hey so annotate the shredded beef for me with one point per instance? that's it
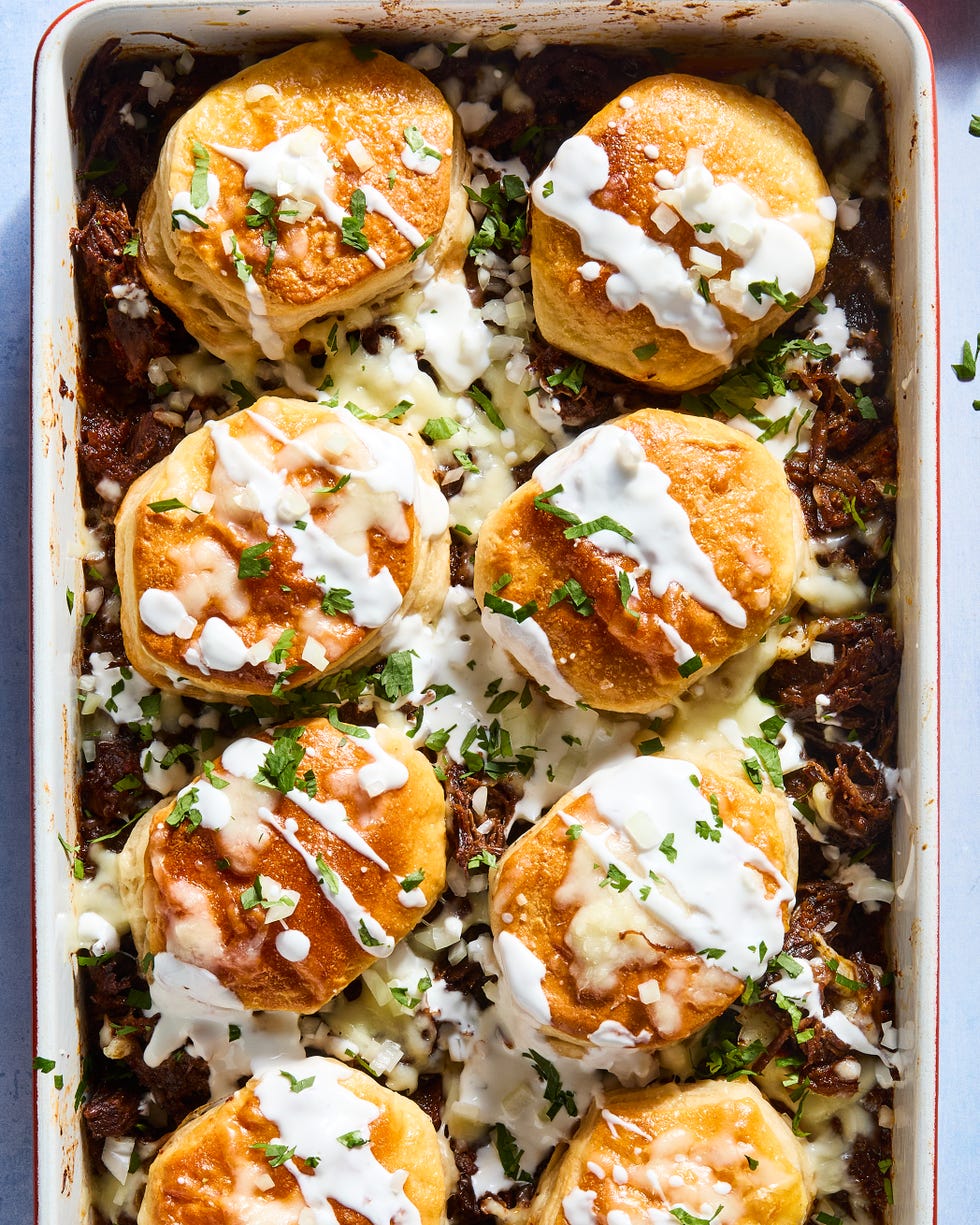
(430, 1097)
(371, 337)
(104, 807)
(462, 1208)
(869, 1153)
(821, 907)
(178, 1085)
(862, 685)
(854, 254)
(862, 807)
(461, 554)
(111, 1111)
(465, 976)
(120, 438)
(604, 394)
(465, 838)
(104, 229)
(841, 479)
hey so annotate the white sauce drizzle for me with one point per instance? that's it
(457, 341)
(376, 597)
(525, 975)
(181, 204)
(605, 472)
(163, 613)
(295, 165)
(648, 273)
(579, 1207)
(311, 1122)
(770, 249)
(293, 946)
(805, 990)
(527, 642)
(683, 651)
(709, 892)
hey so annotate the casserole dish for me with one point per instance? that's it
(881, 35)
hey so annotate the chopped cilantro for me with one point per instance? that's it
(504, 225)
(199, 179)
(509, 1153)
(277, 1154)
(396, 675)
(296, 1085)
(352, 226)
(185, 810)
(558, 1097)
(771, 290)
(617, 878)
(768, 756)
(416, 142)
(437, 428)
(690, 666)
(253, 563)
(572, 591)
(335, 601)
(569, 377)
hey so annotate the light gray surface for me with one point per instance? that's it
(953, 27)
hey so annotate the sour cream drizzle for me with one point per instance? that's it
(708, 892)
(605, 472)
(243, 758)
(769, 249)
(311, 1122)
(648, 273)
(297, 165)
(375, 596)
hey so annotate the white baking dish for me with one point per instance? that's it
(878, 32)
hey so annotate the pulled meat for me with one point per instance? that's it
(429, 1097)
(105, 806)
(111, 1110)
(115, 994)
(862, 807)
(99, 240)
(466, 976)
(861, 684)
(854, 985)
(463, 1208)
(603, 393)
(840, 481)
(465, 837)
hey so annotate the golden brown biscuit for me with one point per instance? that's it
(632, 913)
(657, 227)
(310, 1140)
(253, 225)
(709, 1151)
(286, 888)
(639, 558)
(270, 547)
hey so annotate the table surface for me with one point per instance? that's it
(953, 27)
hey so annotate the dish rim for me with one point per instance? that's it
(919, 624)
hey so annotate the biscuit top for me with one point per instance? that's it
(267, 546)
(634, 911)
(309, 1139)
(645, 552)
(694, 207)
(298, 860)
(708, 1151)
(312, 169)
